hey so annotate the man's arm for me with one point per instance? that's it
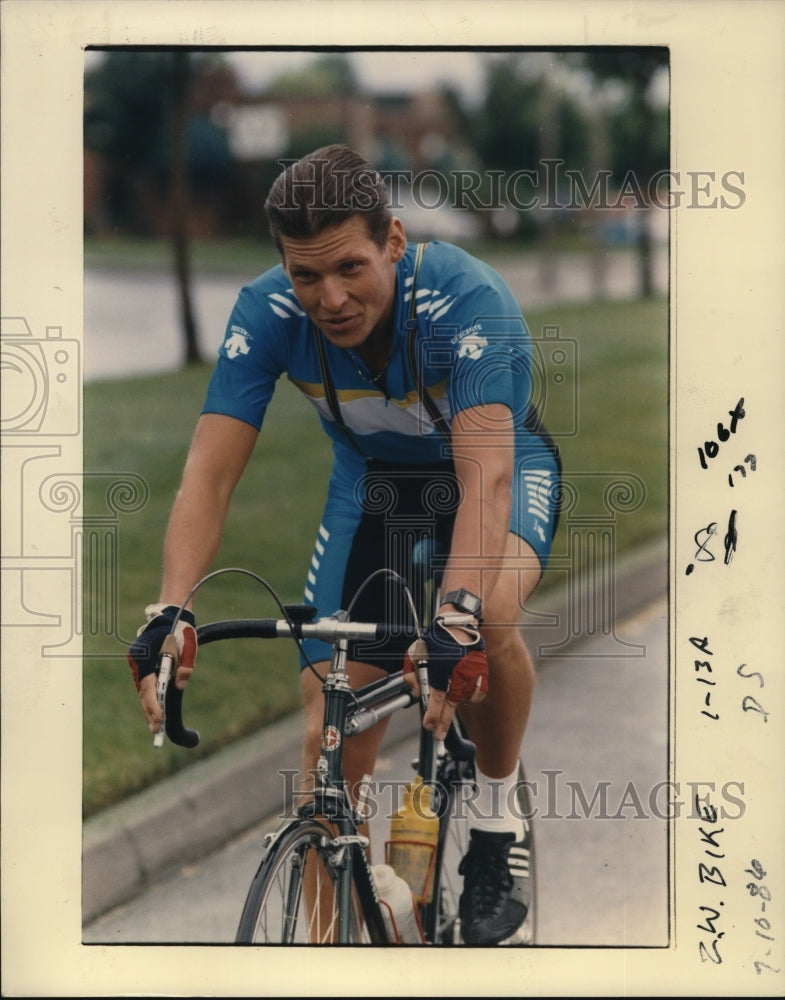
(218, 455)
(483, 452)
(219, 452)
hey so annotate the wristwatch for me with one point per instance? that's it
(464, 600)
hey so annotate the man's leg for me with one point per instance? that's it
(498, 723)
(496, 866)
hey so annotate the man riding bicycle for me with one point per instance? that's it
(417, 360)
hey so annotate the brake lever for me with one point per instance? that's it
(419, 655)
(165, 672)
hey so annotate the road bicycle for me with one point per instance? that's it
(315, 882)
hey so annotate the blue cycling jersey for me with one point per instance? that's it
(472, 348)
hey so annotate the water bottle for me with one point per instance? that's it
(399, 906)
(414, 834)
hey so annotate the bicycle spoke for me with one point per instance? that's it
(293, 898)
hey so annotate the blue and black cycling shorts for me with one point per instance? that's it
(385, 518)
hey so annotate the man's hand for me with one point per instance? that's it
(144, 654)
(457, 669)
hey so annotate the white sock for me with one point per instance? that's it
(496, 809)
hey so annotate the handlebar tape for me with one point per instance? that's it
(175, 730)
(241, 628)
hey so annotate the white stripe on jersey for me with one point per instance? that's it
(430, 301)
(372, 414)
(289, 301)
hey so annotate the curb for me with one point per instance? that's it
(183, 818)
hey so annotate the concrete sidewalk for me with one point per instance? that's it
(185, 817)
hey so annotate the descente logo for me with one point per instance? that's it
(237, 342)
(472, 342)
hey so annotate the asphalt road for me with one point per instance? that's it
(128, 333)
(596, 752)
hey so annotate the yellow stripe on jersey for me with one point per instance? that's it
(315, 391)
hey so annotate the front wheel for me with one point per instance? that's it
(293, 898)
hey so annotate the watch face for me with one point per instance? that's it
(464, 600)
(471, 603)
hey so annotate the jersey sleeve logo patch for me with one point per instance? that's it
(238, 341)
(472, 342)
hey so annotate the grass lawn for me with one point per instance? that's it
(143, 426)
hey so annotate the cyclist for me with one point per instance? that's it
(433, 435)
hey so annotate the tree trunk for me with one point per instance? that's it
(645, 242)
(179, 204)
(646, 258)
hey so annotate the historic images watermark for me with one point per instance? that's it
(546, 796)
(548, 186)
(41, 422)
(43, 377)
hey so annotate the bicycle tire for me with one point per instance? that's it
(276, 910)
(442, 918)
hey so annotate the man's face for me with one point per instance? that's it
(344, 281)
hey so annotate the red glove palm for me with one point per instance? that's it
(459, 669)
(145, 652)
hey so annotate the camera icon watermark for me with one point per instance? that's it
(554, 376)
(41, 381)
(542, 371)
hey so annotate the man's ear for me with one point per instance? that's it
(396, 239)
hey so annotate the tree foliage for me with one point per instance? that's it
(125, 115)
(331, 73)
(639, 129)
(137, 117)
(640, 137)
(531, 107)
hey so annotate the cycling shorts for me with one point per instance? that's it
(386, 518)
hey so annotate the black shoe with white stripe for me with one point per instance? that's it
(493, 902)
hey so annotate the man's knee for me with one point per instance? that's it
(504, 644)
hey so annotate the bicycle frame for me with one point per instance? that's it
(346, 713)
(331, 799)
